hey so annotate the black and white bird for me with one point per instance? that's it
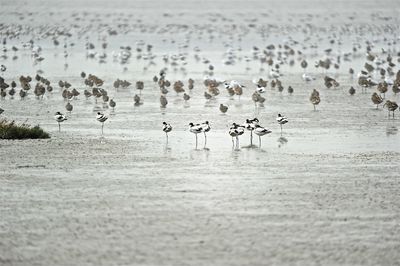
(101, 118)
(251, 125)
(166, 128)
(195, 129)
(281, 120)
(205, 128)
(59, 117)
(235, 131)
(261, 131)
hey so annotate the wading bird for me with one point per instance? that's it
(59, 117)
(166, 128)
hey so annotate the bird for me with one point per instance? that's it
(251, 125)
(352, 91)
(307, 77)
(195, 129)
(112, 104)
(261, 131)
(59, 117)
(391, 106)
(376, 99)
(314, 98)
(163, 101)
(1, 111)
(235, 131)
(101, 118)
(186, 97)
(223, 108)
(205, 128)
(69, 107)
(166, 128)
(281, 120)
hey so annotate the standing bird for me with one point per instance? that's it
(166, 128)
(236, 131)
(195, 129)
(352, 90)
(251, 125)
(112, 104)
(314, 98)
(205, 128)
(101, 118)
(163, 101)
(69, 107)
(376, 99)
(59, 117)
(223, 108)
(261, 131)
(281, 120)
(391, 106)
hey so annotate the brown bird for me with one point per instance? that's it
(376, 99)
(391, 106)
(383, 88)
(69, 107)
(163, 101)
(314, 98)
(352, 90)
(223, 108)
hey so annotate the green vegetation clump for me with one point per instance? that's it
(11, 130)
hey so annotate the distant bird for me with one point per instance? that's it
(207, 95)
(314, 98)
(205, 128)
(195, 129)
(261, 131)
(1, 111)
(112, 104)
(166, 128)
(391, 106)
(223, 108)
(69, 107)
(307, 77)
(136, 99)
(59, 117)
(163, 101)
(376, 99)
(290, 90)
(352, 91)
(101, 118)
(251, 125)
(186, 97)
(281, 120)
(235, 131)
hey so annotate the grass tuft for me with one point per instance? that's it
(11, 130)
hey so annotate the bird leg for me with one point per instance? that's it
(259, 140)
(166, 134)
(59, 127)
(102, 126)
(251, 138)
(237, 142)
(205, 139)
(196, 141)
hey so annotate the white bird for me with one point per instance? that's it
(251, 125)
(59, 117)
(261, 131)
(281, 120)
(101, 118)
(260, 89)
(235, 131)
(195, 129)
(166, 128)
(307, 77)
(205, 128)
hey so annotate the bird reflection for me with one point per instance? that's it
(391, 130)
(282, 141)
